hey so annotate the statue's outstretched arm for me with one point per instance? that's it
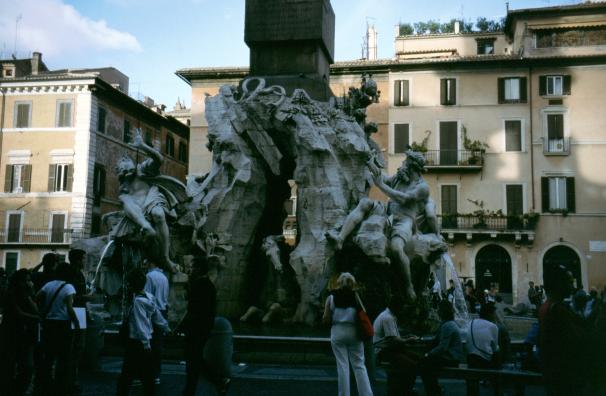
(139, 144)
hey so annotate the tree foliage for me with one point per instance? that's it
(433, 27)
(406, 29)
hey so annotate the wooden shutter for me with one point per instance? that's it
(515, 201)
(566, 85)
(396, 93)
(542, 85)
(501, 90)
(443, 98)
(452, 99)
(405, 93)
(8, 178)
(70, 177)
(570, 195)
(51, 177)
(555, 126)
(523, 93)
(400, 138)
(513, 135)
(544, 194)
(27, 178)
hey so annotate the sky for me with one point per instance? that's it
(149, 40)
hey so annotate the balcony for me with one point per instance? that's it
(521, 227)
(453, 160)
(40, 236)
(554, 147)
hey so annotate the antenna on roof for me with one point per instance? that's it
(17, 19)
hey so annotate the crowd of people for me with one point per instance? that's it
(41, 339)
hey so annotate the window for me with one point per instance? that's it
(17, 178)
(401, 93)
(558, 194)
(23, 114)
(60, 177)
(149, 137)
(449, 206)
(401, 138)
(485, 46)
(9, 72)
(514, 196)
(170, 146)
(64, 114)
(448, 91)
(11, 262)
(513, 135)
(101, 117)
(98, 184)
(126, 138)
(182, 152)
(571, 37)
(555, 133)
(95, 226)
(512, 90)
(57, 228)
(554, 85)
(13, 232)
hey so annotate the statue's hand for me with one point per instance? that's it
(137, 139)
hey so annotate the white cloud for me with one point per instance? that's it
(55, 28)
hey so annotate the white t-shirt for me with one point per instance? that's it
(385, 325)
(342, 315)
(482, 338)
(58, 310)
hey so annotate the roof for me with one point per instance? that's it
(212, 72)
(581, 8)
(52, 76)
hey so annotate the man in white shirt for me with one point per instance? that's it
(56, 299)
(392, 348)
(483, 340)
(156, 284)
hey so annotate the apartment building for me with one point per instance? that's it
(61, 134)
(513, 131)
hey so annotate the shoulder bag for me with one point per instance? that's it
(363, 323)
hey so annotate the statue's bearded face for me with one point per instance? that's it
(403, 174)
(126, 168)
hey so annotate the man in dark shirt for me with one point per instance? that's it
(78, 280)
(563, 337)
(199, 321)
(48, 264)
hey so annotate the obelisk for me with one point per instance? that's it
(291, 43)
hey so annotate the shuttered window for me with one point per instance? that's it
(515, 199)
(556, 85)
(23, 115)
(60, 177)
(401, 93)
(14, 228)
(448, 91)
(64, 114)
(182, 152)
(512, 90)
(555, 126)
(558, 194)
(513, 135)
(126, 137)
(98, 184)
(448, 200)
(401, 138)
(17, 178)
(169, 147)
(101, 116)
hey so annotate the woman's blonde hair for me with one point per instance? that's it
(346, 281)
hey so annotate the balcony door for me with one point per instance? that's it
(449, 206)
(14, 228)
(58, 228)
(449, 142)
(555, 133)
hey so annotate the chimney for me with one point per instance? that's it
(36, 61)
(457, 27)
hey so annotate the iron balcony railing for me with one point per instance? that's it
(40, 236)
(559, 146)
(454, 158)
(487, 222)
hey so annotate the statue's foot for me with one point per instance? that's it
(171, 266)
(333, 236)
(274, 313)
(251, 313)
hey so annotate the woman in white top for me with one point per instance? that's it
(341, 311)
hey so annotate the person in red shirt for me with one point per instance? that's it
(563, 337)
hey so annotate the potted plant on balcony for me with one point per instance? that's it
(530, 220)
(476, 147)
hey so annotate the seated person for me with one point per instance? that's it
(447, 349)
(392, 348)
(483, 340)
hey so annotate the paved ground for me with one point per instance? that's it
(267, 380)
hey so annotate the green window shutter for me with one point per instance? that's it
(453, 92)
(513, 135)
(570, 195)
(542, 85)
(523, 93)
(443, 99)
(27, 178)
(544, 194)
(501, 90)
(51, 177)
(405, 93)
(400, 138)
(8, 178)
(70, 177)
(396, 93)
(566, 85)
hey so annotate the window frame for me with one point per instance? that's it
(16, 113)
(447, 85)
(61, 185)
(101, 110)
(58, 120)
(20, 179)
(6, 253)
(21, 213)
(126, 132)
(559, 181)
(522, 90)
(397, 103)
(522, 135)
(182, 155)
(169, 149)
(524, 204)
(483, 41)
(553, 78)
